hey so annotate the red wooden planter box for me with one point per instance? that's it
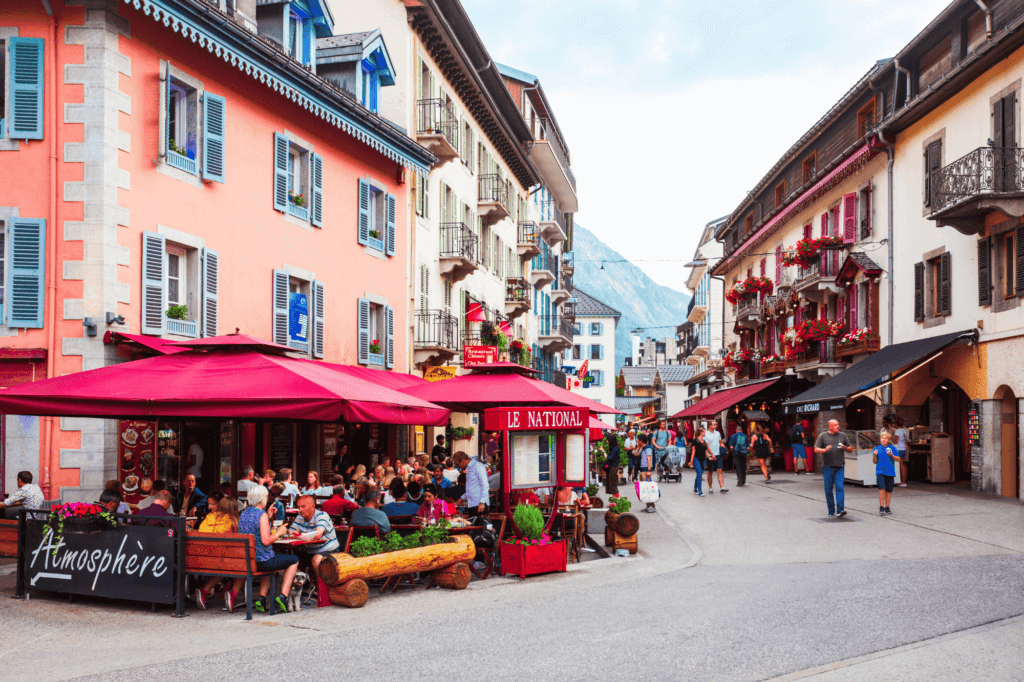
(772, 367)
(868, 344)
(527, 560)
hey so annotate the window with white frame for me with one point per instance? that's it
(596, 328)
(298, 179)
(377, 215)
(193, 123)
(180, 288)
(577, 328)
(598, 377)
(298, 311)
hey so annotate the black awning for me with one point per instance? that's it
(831, 394)
(756, 415)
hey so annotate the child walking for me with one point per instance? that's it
(886, 456)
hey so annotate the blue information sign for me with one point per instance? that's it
(298, 317)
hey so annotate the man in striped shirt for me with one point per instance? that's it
(477, 487)
(317, 526)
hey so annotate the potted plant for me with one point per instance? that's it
(525, 357)
(80, 518)
(595, 501)
(297, 199)
(488, 335)
(530, 550)
(462, 432)
(177, 312)
(515, 350)
(375, 234)
(375, 346)
(616, 505)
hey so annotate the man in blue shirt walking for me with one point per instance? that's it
(738, 445)
(477, 494)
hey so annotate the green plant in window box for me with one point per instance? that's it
(175, 148)
(297, 199)
(177, 312)
(375, 346)
(462, 432)
(375, 234)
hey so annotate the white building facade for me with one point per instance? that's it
(594, 342)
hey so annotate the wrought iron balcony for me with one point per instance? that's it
(561, 287)
(550, 155)
(492, 200)
(459, 251)
(819, 278)
(528, 241)
(987, 179)
(542, 273)
(819, 359)
(747, 312)
(437, 129)
(437, 336)
(556, 332)
(552, 223)
(518, 293)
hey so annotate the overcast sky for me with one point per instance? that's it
(674, 109)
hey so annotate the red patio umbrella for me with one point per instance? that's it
(598, 427)
(479, 391)
(226, 383)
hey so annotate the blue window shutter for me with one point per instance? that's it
(600, 351)
(364, 212)
(363, 338)
(26, 94)
(280, 172)
(213, 137)
(389, 350)
(318, 319)
(280, 304)
(307, 42)
(210, 283)
(26, 273)
(389, 232)
(154, 284)
(316, 168)
(167, 113)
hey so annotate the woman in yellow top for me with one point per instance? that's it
(223, 519)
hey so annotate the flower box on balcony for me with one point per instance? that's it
(773, 367)
(525, 560)
(868, 344)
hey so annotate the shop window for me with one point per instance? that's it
(376, 229)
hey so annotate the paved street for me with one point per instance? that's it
(776, 591)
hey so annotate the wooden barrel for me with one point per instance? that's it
(610, 518)
(352, 594)
(596, 503)
(625, 542)
(455, 577)
(609, 534)
(340, 568)
(627, 524)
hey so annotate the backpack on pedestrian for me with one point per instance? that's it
(796, 434)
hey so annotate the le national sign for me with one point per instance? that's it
(535, 418)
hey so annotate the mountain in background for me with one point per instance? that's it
(625, 287)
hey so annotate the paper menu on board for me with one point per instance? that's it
(575, 457)
(525, 455)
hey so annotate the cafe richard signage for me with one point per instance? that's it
(535, 418)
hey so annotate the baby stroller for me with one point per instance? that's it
(668, 468)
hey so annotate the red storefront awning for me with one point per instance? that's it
(723, 399)
(226, 383)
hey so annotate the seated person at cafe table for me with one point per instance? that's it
(313, 525)
(414, 492)
(28, 494)
(527, 496)
(159, 508)
(567, 495)
(401, 506)
(370, 515)
(114, 485)
(110, 500)
(191, 501)
(253, 520)
(247, 481)
(477, 493)
(338, 504)
(275, 508)
(223, 518)
(433, 507)
(313, 486)
(290, 489)
(158, 485)
(438, 478)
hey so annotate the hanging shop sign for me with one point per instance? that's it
(298, 317)
(813, 408)
(473, 356)
(440, 373)
(535, 418)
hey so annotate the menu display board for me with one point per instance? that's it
(136, 456)
(575, 458)
(974, 424)
(282, 444)
(227, 450)
(329, 436)
(530, 459)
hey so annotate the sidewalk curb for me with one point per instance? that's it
(812, 672)
(696, 553)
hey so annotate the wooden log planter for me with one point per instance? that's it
(339, 568)
(352, 594)
(624, 524)
(455, 577)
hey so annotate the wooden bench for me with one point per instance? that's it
(8, 538)
(226, 555)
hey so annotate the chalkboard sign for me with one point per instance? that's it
(128, 562)
(282, 442)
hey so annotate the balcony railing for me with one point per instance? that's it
(550, 213)
(552, 325)
(437, 329)
(869, 344)
(986, 170)
(434, 117)
(569, 260)
(544, 130)
(825, 266)
(564, 281)
(546, 261)
(493, 190)
(529, 233)
(748, 307)
(183, 328)
(458, 241)
(517, 289)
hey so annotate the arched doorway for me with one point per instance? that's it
(1009, 449)
(860, 414)
(945, 411)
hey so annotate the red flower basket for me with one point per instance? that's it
(818, 330)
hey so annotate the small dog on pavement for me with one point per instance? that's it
(295, 595)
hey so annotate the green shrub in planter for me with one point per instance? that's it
(529, 521)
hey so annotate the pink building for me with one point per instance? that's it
(177, 169)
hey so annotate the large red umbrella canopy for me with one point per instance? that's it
(478, 391)
(228, 383)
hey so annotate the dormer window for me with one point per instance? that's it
(358, 63)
